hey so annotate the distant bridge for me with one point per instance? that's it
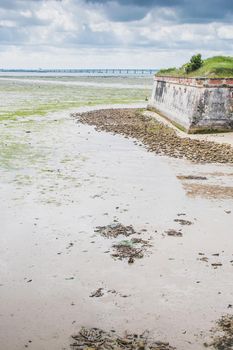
(91, 71)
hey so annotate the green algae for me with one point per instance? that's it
(28, 128)
(10, 153)
(49, 108)
(23, 99)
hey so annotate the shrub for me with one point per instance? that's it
(195, 63)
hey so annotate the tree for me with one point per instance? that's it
(195, 63)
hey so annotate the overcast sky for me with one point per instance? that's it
(118, 33)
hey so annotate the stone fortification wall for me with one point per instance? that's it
(196, 104)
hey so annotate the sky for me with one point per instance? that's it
(112, 33)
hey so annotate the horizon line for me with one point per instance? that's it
(74, 69)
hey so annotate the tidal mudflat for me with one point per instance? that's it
(97, 232)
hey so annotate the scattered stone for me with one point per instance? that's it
(126, 250)
(183, 222)
(131, 260)
(70, 245)
(174, 233)
(204, 258)
(98, 293)
(94, 338)
(157, 137)
(191, 177)
(130, 249)
(227, 211)
(113, 291)
(114, 230)
(140, 241)
(222, 334)
(216, 264)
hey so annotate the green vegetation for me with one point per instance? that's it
(214, 67)
(194, 64)
(14, 155)
(21, 99)
(27, 119)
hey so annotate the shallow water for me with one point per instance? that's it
(113, 82)
(59, 180)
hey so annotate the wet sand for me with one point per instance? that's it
(52, 259)
(222, 138)
(78, 83)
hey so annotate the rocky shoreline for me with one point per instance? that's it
(157, 137)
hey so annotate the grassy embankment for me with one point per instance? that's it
(214, 67)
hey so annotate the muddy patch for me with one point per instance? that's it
(114, 230)
(97, 339)
(214, 260)
(130, 249)
(191, 177)
(208, 191)
(222, 334)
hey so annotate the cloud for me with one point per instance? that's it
(186, 10)
(176, 27)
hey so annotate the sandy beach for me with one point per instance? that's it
(53, 258)
(116, 175)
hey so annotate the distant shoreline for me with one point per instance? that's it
(87, 71)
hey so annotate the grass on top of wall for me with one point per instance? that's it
(214, 67)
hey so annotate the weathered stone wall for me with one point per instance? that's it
(194, 104)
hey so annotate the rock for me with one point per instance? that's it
(131, 260)
(155, 136)
(97, 293)
(174, 233)
(95, 338)
(183, 222)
